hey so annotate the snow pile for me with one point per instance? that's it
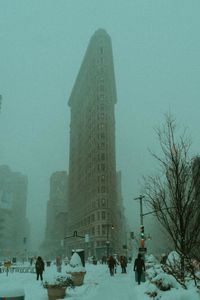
(75, 264)
(165, 282)
(153, 271)
(151, 259)
(173, 258)
(160, 284)
(163, 286)
(151, 290)
(160, 287)
(58, 279)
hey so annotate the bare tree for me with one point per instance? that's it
(173, 194)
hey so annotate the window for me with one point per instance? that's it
(101, 50)
(103, 167)
(103, 215)
(102, 156)
(92, 230)
(101, 87)
(98, 230)
(103, 189)
(103, 229)
(92, 218)
(103, 202)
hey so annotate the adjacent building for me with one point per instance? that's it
(14, 226)
(56, 216)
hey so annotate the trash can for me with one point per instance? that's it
(12, 294)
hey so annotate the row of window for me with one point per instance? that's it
(100, 203)
(98, 216)
(101, 230)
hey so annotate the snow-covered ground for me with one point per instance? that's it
(98, 285)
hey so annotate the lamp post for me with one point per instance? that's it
(107, 238)
(142, 236)
(107, 247)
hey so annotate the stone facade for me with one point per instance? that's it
(94, 203)
(14, 226)
(56, 216)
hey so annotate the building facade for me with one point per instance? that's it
(94, 204)
(14, 225)
(56, 216)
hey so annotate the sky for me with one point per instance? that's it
(98, 284)
(156, 50)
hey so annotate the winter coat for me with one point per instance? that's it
(39, 265)
(123, 261)
(111, 262)
(139, 264)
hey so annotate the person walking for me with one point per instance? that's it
(111, 265)
(123, 263)
(59, 264)
(39, 267)
(139, 267)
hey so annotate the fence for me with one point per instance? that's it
(19, 269)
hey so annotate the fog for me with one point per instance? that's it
(156, 49)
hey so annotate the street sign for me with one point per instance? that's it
(87, 238)
(142, 249)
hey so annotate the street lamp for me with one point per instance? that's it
(142, 235)
(107, 238)
(107, 247)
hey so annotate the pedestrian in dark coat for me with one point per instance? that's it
(39, 267)
(123, 263)
(111, 265)
(139, 266)
(59, 264)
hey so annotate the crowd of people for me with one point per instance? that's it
(111, 261)
(139, 266)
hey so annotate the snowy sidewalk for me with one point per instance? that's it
(106, 287)
(98, 285)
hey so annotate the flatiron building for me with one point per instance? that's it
(95, 209)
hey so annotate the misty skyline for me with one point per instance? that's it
(156, 49)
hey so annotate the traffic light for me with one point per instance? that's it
(142, 232)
